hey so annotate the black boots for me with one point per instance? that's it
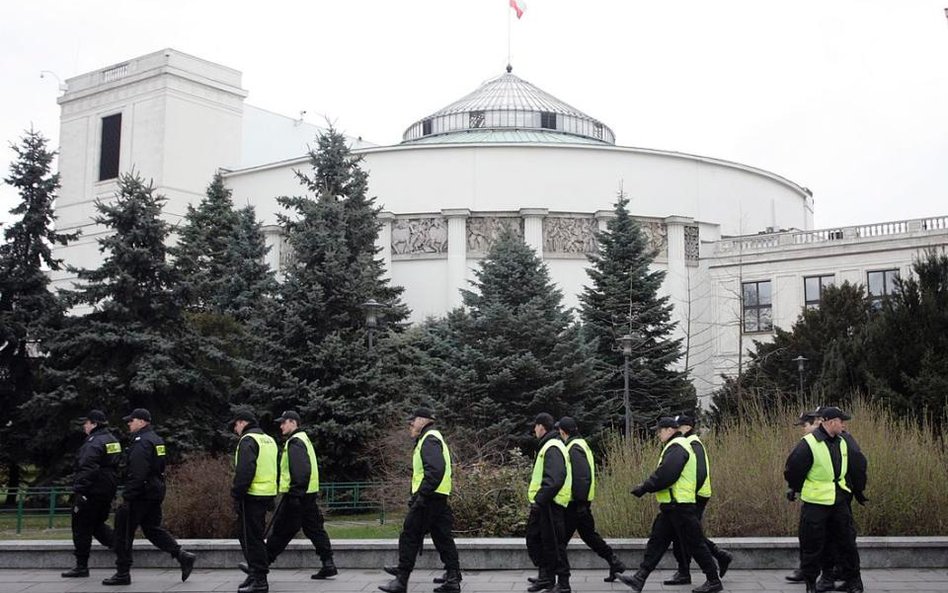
(712, 585)
(795, 576)
(544, 581)
(561, 586)
(451, 584)
(724, 559)
(615, 567)
(636, 581)
(328, 570)
(852, 586)
(679, 578)
(81, 570)
(397, 585)
(122, 577)
(257, 584)
(186, 560)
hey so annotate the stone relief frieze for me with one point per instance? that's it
(657, 235)
(412, 236)
(692, 244)
(569, 235)
(482, 231)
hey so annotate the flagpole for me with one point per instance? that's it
(509, 17)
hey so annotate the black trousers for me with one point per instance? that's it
(579, 517)
(679, 521)
(90, 517)
(251, 525)
(684, 560)
(546, 538)
(293, 513)
(433, 516)
(823, 525)
(146, 514)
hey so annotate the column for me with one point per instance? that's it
(676, 281)
(384, 242)
(603, 217)
(457, 255)
(273, 238)
(533, 228)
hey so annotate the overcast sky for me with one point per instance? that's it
(846, 97)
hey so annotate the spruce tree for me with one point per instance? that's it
(29, 312)
(623, 298)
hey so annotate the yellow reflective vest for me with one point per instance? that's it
(265, 479)
(565, 493)
(418, 467)
(684, 489)
(820, 484)
(313, 485)
(582, 444)
(705, 490)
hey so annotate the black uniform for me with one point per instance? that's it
(546, 527)
(94, 484)
(428, 512)
(251, 510)
(578, 515)
(299, 509)
(675, 520)
(819, 523)
(143, 494)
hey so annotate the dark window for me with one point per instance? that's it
(109, 150)
(881, 284)
(597, 131)
(548, 120)
(813, 287)
(426, 127)
(758, 307)
(476, 119)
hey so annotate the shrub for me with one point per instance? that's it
(198, 503)
(490, 496)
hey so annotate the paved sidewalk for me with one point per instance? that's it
(294, 581)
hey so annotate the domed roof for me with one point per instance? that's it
(501, 105)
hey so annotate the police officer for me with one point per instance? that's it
(142, 495)
(549, 494)
(428, 508)
(828, 469)
(808, 421)
(686, 426)
(578, 516)
(253, 491)
(674, 483)
(94, 483)
(299, 484)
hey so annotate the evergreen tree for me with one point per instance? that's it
(514, 351)
(132, 349)
(28, 310)
(316, 326)
(623, 299)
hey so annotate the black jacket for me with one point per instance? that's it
(801, 460)
(582, 473)
(701, 461)
(554, 471)
(96, 467)
(669, 470)
(246, 469)
(145, 470)
(300, 467)
(432, 460)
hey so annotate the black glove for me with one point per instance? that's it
(639, 491)
(791, 495)
(419, 500)
(861, 498)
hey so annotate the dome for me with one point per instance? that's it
(508, 109)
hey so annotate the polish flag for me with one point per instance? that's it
(519, 6)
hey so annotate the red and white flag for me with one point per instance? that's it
(519, 6)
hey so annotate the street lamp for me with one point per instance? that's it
(801, 363)
(626, 343)
(372, 309)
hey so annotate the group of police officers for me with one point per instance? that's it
(826, 470)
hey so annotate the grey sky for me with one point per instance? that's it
(846, 97)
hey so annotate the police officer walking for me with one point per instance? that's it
(808, 421)
(686, 426)
(299, 485)
(828, 469)
(578, 516)
(674, 483)
(94, 482)
(143, 493)
(549, 494)
(428, 508)
(253, 491)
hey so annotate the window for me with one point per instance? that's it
(813, 289)
(758, 307)
(597, 131)
(476, 119)
(426, 127)
(109, 149)
(881, 284)
(548, 120)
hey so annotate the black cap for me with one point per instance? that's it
(686, 419)
(832, 412)
(95, 416)
(666, 422)
(139, 413)
(245, 415)
(288, 415)
(568, 425)
(422, 413)
(807, 418)
(544, 420)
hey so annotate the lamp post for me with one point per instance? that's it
(372, 309)
(801, 363)
(625, 344)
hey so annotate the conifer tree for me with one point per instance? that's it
(623, 298)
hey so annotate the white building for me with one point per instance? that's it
(506, 154)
